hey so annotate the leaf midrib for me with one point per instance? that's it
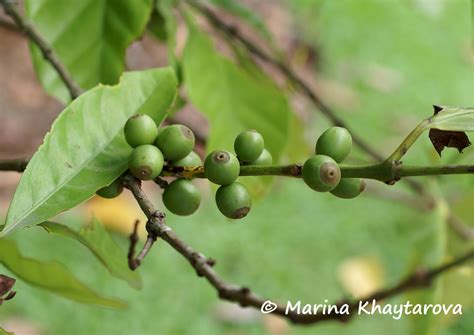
(59, 186)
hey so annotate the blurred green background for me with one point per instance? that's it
(383, 64)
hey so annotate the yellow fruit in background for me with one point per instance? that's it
(118, 214)
(361, 276)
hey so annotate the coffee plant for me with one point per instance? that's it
(118, 131)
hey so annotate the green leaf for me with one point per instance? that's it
(50, 276)
(94, 237)
(4, 332)
(430, 253)
(232, 99)
(157, 26)
(170, 26)
(89, 37)
(246, 14)
(86, 148)
(452, 118)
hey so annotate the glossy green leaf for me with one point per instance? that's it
(232, 99)
(94, 237)
(453, 119)
(51, 276)
(89, 37)
(86, 149)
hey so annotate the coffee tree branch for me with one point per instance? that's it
(291, 75)
(387, 172)
(75, 91)
(48, 53)
(294, 170)
(243, 295)
(232, 32)
(135, 262)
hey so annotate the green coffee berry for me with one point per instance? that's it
(233, 200)
(140, 129)
(192, 159)
(146, 162)
(175, 141)
(111, 191)
(321, 173)
(335, 142)
(221, 167)
(181, 197)
(249, 145)
(265, 158)
(349, 188)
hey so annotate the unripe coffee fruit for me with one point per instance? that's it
(192, 159)
(321, 173)
(146, 162)
(265, 158)
(234, 201)
(349, 188)
(140, 129)
(249, 145)
(111, 191)
(335, 142)
(181, 197)
(221, 167)
(175, 141)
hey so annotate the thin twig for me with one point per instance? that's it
(161, 182)
(460, 228)
(46, 50)
(9, 25)
(243, 295)
(231, 31)
(135, 262)
(385, 172)
(464, 231)
(35, 37)
(291, 75)
(18, 165)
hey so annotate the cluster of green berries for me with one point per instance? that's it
(173, 145)
(152, 149)
(222, 167)
(322, 173)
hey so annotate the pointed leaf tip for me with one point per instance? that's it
(86, 148)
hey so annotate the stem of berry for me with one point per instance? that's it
(387, 171)
(409, 141)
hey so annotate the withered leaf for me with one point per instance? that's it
(6, 284)
(451, 139)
